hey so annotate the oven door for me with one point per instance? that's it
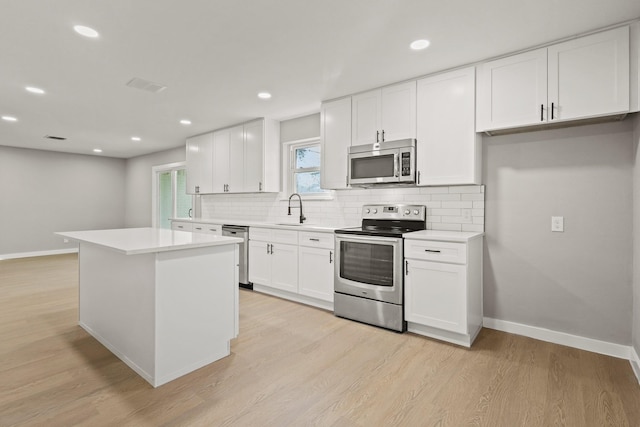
(369, 267)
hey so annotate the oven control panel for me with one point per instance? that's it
(397, 211)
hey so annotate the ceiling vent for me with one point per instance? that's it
(146, 85)
(57, 138)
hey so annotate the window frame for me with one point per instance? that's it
(288, 169)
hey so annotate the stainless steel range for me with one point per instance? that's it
(369, 279)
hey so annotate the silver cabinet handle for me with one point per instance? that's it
(259, 186)
(330, 257)
(432, 250)
(382, 135)
(272, 249)
(267, 248)
(314, 239)
(377, 136)
(406, 268)
(198, 228)
(197, 188)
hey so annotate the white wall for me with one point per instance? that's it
(579, 281)
(138, 184)
(636, 237)
(44, 191)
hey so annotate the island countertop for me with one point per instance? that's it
(133, 241)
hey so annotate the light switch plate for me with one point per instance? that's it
(557, 223)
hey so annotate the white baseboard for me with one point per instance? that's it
(38, 253)
(635, 363)
(562, 338)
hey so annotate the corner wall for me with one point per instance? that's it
(579, 281)
(45, 191)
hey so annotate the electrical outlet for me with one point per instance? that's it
(557, 223)
(466, 214)
(65, 240)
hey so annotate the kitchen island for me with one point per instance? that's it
(165, 302)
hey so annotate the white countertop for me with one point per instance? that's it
(249, 223)
(448, 236)
(132, 241)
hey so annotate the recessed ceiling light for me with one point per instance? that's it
(86, 31)
(264, 95)
(135, 138)
(97, 150)
(9, 118)
(420, 44)
(185, 122)
(34, 90)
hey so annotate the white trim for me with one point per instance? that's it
(154, 188)
(38, 253)
(286, 172)
(303, 299)
(635, 363)
(562, 338)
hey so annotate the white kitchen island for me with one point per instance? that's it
(165, 302)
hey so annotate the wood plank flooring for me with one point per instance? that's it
(292, 365)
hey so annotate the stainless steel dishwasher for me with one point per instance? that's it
(241, 232)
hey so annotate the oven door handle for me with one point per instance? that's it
(367, 239)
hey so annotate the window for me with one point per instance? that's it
(170, 198)
(303, 174)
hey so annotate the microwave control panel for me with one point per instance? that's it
(406, 163)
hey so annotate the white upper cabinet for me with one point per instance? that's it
(228, 155)
(512, 91)
(589, 76)
(246, 158)
(449, 150)
(385, 114)
(335, 139)
(199, 157)
(582, 78)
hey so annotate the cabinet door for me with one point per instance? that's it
(398, 112)
(316, 273)
(260, 263)
(235, 179)
(335, 139)
(512, 91)
(449, 151)
(436, 295)
(199, 161)
(589, 76)
(221, 142)
(284, 267)
(365, 117)
(253, 156)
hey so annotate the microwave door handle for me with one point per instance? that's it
(396, 165)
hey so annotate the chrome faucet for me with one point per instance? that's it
(302, 218)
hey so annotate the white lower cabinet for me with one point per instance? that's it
(316, 257)
(273, 258)
(443, 289)
(197, 227)
(292, 265)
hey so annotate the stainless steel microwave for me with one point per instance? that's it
(392, 162)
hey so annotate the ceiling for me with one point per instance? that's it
(215, 56)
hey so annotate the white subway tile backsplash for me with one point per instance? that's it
(459, 205)
(445, 206)
(465, 189)
(446, 197)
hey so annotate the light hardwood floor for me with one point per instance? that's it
(292, 365)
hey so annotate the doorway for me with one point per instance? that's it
(170, 198)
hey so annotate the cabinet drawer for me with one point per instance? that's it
(274, 236)
(450, 252)
(289, 237)
(181, 226)
(262, 234)
(316, 240)
(207, 228)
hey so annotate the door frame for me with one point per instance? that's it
(155, 171)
